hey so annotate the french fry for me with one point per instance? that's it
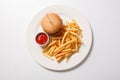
(59, 59)
(53, 42)
(68, 46)
(68, 56)
(60, 54)
(76, 46)
(67, 50)
(74, 34)
(52, 50)
(58, 50)
(61, 46)
(64, 37)
(73, 30)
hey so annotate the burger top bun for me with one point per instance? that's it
(51, 23)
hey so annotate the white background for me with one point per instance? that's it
(103, 63)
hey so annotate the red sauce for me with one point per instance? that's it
(41, 38)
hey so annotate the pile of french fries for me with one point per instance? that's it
(66, 44)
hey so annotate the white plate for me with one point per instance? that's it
(67, 14)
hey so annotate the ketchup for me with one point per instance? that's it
(41, 38)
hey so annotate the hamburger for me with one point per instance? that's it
(51, 23)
